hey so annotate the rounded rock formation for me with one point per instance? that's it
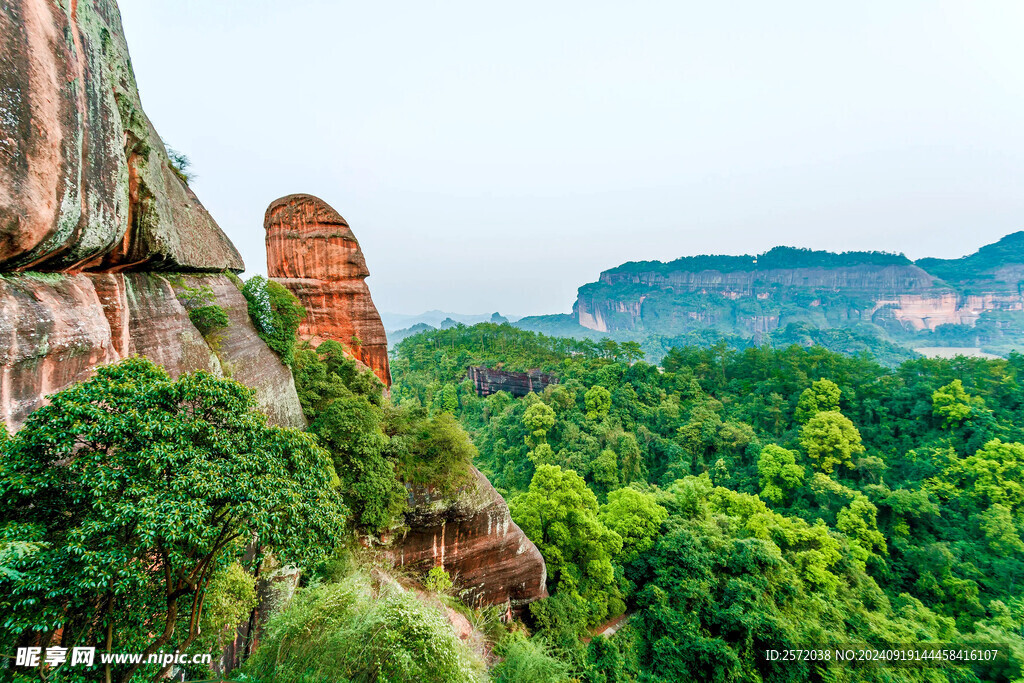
(312, 251)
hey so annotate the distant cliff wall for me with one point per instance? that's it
(312, 251)
(758, 301)
(487, 381)
(867, 278)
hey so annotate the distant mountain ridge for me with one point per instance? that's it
(973, 301)
(436, 318)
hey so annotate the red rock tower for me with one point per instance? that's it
(311, 250)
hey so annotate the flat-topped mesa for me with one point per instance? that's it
(311, 250)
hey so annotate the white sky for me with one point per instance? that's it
(496, 157)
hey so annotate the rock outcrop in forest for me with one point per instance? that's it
(474, 538)
(487, 381)
(312, 251)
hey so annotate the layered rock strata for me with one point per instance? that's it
(312, 251)
(56, 328)
(85, 181)
(489, 558)
(759, 295)
(487, 381)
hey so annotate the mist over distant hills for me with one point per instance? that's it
(398, 321)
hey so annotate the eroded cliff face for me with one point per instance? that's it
(91, 205)
(489, 558)
(85, 181)
(312, 251)
(761, 301)
(487, 381)
(56, 329)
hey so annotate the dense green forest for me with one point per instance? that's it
(775, 258)
(722, 504)
(145, 514)
(732, 501)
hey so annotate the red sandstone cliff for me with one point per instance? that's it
(311, 250)
(473, 537)
(88, 195)
(85, 181)
(55, 329)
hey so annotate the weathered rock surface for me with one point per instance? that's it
(757, 301)
(487, 381)
(474, 538)
(312, 251)
(55, 329)
(90, 203)
(85, 181)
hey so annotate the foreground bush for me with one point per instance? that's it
(348, 632)
(528, 660)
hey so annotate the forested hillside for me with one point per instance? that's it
(731, 501)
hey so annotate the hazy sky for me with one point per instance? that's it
(497, 156)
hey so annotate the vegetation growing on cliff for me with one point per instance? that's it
(775, 498)
(137, 492)
(1007, 251)
(276, 313)
(375, 444)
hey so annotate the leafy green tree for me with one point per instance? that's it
(560, 514)
(953, 404)
(993, 475)
(139, 489)
(448, 399)
(636, 517)
(630, 458)
(605, 470)
(539, 418)
(631, 351)
(431, 450)
(437, 580)
(598, 402)
(230, 598)
(208, 319)
(609, 348)
(821, 397)
(327, 373)
(999, 529)
(351, 429)
(778, 472)
(830, 439)
(859, 521)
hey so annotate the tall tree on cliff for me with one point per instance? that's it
(139, 489)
